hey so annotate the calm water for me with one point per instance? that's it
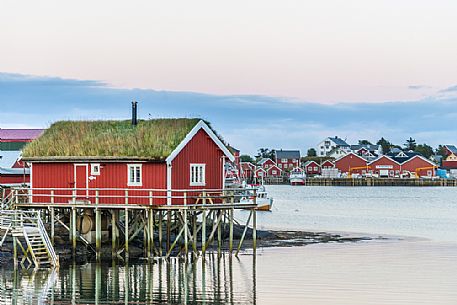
(396, 271)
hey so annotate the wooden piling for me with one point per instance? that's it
(203, 232)
(52, 225)
(114, 233)
(98, 233)
(73, 230)
(254, 231)
(231, 230)
(126, 232)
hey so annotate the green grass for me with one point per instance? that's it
(153, 139)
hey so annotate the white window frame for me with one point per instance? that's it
(284, 160)
(274, 172)
(199, 174)
(94, 166)
(135, 180)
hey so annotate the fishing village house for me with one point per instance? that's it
(266, 163)
(287, 159)
(273, 171)
(312, 168)
(393, 164)
(449, 162)
(161, 154)
(12, 170)
(327, 164)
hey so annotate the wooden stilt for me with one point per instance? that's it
(254, 231)
(98, 233)
(73, 230)
(244, 233)
(160, 232)
(203, 232)
(168, 229)
(114, 233)
(52, 225)
(231, 230)
(150, 232)
(126, 233)
(186, 246)
(219, 234)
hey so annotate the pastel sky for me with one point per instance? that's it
(281, 74)
(317, 51)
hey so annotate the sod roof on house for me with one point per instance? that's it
(150, 139)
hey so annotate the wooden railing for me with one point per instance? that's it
(96, 196)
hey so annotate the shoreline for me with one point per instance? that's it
(265, 239)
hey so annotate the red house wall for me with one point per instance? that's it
(310, 168)
(112, 175)
(450, 164)
(201, 149)
(350, 161)
(274, 168)
(10, 179)
(382, 163)
(416, 162)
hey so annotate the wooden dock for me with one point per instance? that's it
(368, 182)
(190, 225)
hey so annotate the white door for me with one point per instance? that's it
(384, 173)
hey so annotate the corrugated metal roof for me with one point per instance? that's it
(287, 154)
(339, 141)
(20, 134)
(452, 148)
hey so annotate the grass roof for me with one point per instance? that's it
(150, 139)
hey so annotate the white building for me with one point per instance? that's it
(329, 144)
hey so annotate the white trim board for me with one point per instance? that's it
(191, 134)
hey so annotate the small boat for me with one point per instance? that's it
(264, 203)
(297, 176)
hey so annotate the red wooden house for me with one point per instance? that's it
(287, 159)
(266, 163)
(273, 171)
(384, 167)
(150, 158)
(351, 162)
(327, 164)
(419, 165)
(312, 168)
(260, 173)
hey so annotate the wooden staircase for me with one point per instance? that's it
(30, 236)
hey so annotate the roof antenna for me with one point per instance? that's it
(134, 113)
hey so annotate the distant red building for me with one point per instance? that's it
(247, 169)
(384, 167)
(351, 162)
(266, 163)
(327, 164)
(273, 171)
(312, 168)
(287, 159)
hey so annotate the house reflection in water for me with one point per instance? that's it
(224, 280)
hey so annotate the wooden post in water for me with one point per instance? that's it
(232, 202)
(150, 232)
(73, 231)
(98, 233)
(114, 232)
(126, 231)
(254, 231)
(160, 232)
(203, 232)
(186, 246)
(168, 229)
(219, 234)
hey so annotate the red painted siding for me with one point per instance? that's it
(349, 161)
(112, 175)
(9, 179)
(415, 163)
(201, 149)
(384, 163)
(450, 164)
